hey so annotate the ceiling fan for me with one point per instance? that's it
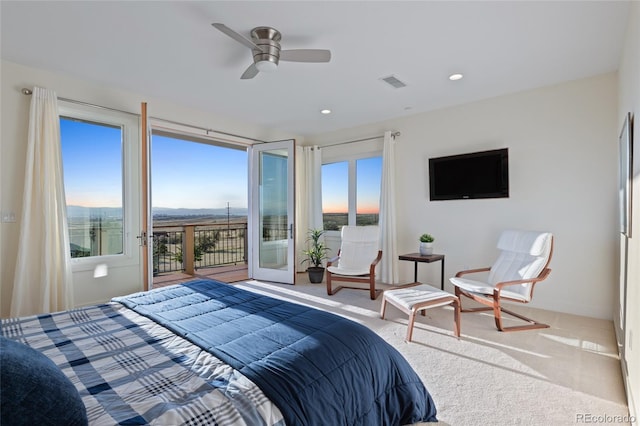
(265, 45)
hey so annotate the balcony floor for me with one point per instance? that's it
(227, 274)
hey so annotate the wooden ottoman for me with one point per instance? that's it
(417, 297)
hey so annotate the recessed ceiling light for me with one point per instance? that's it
(454, 77)
(325, 111)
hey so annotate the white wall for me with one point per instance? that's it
(629, 101)
(563, 164)
(14, 115)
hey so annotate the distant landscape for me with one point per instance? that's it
(165, 220)
(159, 212)
(166, 211)
(99, 231)
(332, 221)
(335, 221)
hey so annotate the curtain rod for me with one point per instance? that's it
(207, 130)
(26, 91)
(393, 135)
(29, 92)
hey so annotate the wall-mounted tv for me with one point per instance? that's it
(466, 176)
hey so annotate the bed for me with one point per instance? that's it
(206, 352)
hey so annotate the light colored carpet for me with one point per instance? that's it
(564, 375)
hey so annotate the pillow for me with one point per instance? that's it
(34, 391)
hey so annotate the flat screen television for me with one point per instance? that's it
(467, 176)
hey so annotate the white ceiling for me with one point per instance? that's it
(169, 50)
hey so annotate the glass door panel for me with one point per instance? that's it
(92, 155)
(272, 213)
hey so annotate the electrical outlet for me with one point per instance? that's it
(8, 217)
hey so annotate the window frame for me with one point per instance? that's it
(351, 160)
(130, 125)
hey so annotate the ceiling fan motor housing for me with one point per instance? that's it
(269, 41)
(265, 48)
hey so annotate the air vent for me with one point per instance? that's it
(393, 82)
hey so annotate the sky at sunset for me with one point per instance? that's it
(187, 174)
(335, 198)
(184, 174)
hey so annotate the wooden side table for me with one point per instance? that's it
(417, 257)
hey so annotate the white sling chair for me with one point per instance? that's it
(357, 259)
(523, 261)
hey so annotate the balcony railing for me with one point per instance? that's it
(189, 247)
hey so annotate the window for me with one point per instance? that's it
(335, 195)
(368, 180)
(101, 162)
(92, 157)
(351, 192)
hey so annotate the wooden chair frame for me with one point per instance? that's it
(493, 301)
(368, 278)
(422, 307)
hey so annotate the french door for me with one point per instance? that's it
(271, 212)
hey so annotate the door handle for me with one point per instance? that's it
(142, 238)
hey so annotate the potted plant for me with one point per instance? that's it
(316, 253)
(426, 244)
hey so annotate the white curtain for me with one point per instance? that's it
(388, 235)
(308, 197)
(43, 279)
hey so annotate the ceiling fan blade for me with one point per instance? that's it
(250, 72)
(305, 55)
(236, 36)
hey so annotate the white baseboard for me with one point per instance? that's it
(631, 403)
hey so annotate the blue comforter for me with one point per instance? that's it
(317, 367)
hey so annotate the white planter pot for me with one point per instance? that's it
(426, 249)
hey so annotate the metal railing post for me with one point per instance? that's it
(188, 256)
(246, 243)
